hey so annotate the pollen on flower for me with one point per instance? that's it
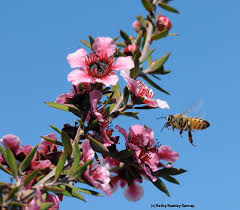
(144, 90)
(99, 65)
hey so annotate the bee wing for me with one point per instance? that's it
(195, 106)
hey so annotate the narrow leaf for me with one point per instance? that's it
(75, 193)
(125, 37)
(27, 161)
(121, 44)
(5, 169)
(81, 169)
(52, 140)
(117, 91)
(66, 144)
(159, 63)
(30, 177)
(97, 146)
(86, 44)
(147, 5)
(11, 161)
(86, 191)
(154, 84)
(76, 158)
(167, 7)
(170, 179)
(4, 154)
(159, 35)
(147, 56)
(56, 129)
(160, 185)
(142, 21)
(46, 205)
(91, 39)
(60, 165)
(54, 189)
(130, 114)
(169, 171)
(116, 38)
(125, 95)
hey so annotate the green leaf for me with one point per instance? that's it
(160, 185)
(86, 44)
(60, 165)
(97, 146)
(159, 63)
(4, 154)
(117, 91)
(5, 169)
(130, 114)
(91, 39)
(30, 177)
(56, 129)
(154, 84)
(170, 179)
(109, 99)
(81, 169)
(11, 161)
(142, 21)
(76, 158)
(138, 41)
(64, 107)
(116, 38)
(52, 140)
(169, 171)
(75, 193)
(173, 34)
(54, 189)
(144, 107)
(167, 7)
(147, 56)
(27, 161)
(159, 35)
(147, 5)
(66, 144)
(86, 191)
(123, 155)
(125, 95)
(12, 193)
(121, 44)
(134, 72)
(125, 37)
(46, 205)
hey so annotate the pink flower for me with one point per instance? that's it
(88, 152)
(163, 23)
(130, 49)
(141, 90)
(41, 164)
(99, 177)
(166, 153)
(134, 192)
(141, 139)
(136, 25)
(12, 141)
(45, 147)
(35, 203)
(99, 66)
(62, 99)
(24, 150)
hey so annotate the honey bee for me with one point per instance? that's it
(183, 123)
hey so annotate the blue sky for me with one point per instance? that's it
(36, 37)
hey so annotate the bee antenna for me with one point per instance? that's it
(161, 118)
(163, 127)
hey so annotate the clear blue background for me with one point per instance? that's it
(36, 37)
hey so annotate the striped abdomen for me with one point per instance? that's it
(198, 123)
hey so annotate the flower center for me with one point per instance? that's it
(144, 90)
(99, 65)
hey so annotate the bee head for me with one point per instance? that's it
(169, 120)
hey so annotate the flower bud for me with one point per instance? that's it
(130, 49)
(163, 23)
(136, 25)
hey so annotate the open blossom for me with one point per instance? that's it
(12, 141)
(141, 90)
(163, 23)
(147, 154)
(99, 66)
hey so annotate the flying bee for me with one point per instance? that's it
(183, 123)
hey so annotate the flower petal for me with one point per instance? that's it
(12, 141)
(108, 80)
(104, 45)
(79, 76)
(166, 153)
(77, 59)
(88, 152)
(134, 192)
(123, 63)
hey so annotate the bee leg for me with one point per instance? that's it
(181, 132)
(190, 134)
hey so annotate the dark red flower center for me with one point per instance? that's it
(144, 90)
(99, 65)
